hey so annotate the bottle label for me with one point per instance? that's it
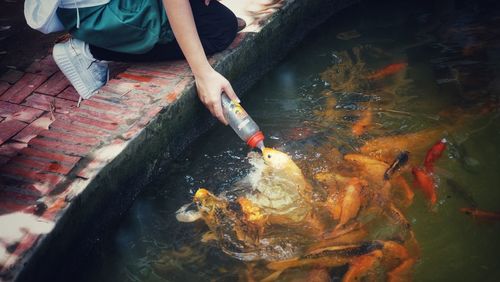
(238, 110)
(243, 124)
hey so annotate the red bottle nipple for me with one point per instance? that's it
(255, 139)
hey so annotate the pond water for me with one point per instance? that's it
(373, 77)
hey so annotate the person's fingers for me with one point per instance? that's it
(207, 2)
(230, 92)
(218, 113)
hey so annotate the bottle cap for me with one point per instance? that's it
(255, 139)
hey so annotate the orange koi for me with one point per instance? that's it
(434, 153)
(387, 70)
(318, 275)
(480, 214)
(425, 181)
(408, 192)
(361, 266)
(361, 125)
(351, 202)
(401, 272)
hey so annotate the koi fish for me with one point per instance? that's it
(460, 191)
(480, 214)
(386, 147)
(351, 202)
(387, 70)
(408, 192)
(400, 160)
(361, 266)
(425, 181)
(361, 125)
(434, 153)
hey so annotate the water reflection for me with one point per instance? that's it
(344, 106)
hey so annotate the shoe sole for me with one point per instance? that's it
(60, 55)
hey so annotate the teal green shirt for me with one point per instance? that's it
(128, 26)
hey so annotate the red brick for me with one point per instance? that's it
(140, 124)
(9, 128)
(3, 87)
(59, 147)
(134, 104)
(91, 168)
(154, 73)
(178, 68)
(145, 78)
(55, 208)
(50, 156)
(67, 125)
(70, 138)
(52, 166)
(119, 84)
(54, 85)
(69, 94)
(12, 76)
(20, 198)
(43, 102)
(46, 66)
(95, 123)
(21, 113)
(23, 187)
(23, 88)
(32, 130)
(132, 101)
(104, 106)
(132, 131)
(7, 206)
(135, 77)
(28, 241)
(11, 149)
(32, 175)
(114, 86)
(151, 113)
(171, 97)
(103, 116)
(109, 96)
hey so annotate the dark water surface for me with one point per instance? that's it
(446, 77)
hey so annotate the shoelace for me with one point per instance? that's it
(77, 15)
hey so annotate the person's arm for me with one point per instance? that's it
(209, 82)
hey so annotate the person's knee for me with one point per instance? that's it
(217, 26)
(229, 28)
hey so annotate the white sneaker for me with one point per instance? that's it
(84, 72)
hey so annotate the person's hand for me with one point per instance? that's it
(210, 86)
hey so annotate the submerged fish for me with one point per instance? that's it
(365, 121)
(387, 71)
(351, 202)
(480, 214)
(434, 153)
(457, 189)
(425, 181)
(400, 161)
(386, 147)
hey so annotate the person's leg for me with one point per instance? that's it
(216, 25)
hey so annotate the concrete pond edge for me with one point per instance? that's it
(96, 204)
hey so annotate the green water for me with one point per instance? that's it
(452, 54)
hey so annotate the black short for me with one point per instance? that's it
(216, 25)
